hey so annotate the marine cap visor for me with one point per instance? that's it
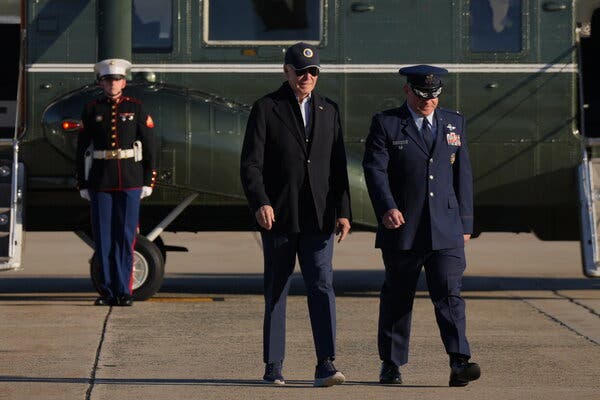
(114, 77)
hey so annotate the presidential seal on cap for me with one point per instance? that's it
(112, 68)
(424, 80)
(302, 55)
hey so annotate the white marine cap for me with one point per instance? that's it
(112, 67)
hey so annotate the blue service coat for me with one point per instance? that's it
(401, 173)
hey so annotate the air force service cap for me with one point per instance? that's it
(424, 80)
(112, 68)
(302, 55)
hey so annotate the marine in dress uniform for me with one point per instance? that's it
(293, 170)
(418, 174)
(118, 140)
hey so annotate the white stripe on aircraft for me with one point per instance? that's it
(331, 68)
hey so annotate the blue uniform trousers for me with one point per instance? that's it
(115, 217)
(444, 270)
(315, 252)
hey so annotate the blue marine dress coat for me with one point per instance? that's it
(434, 189)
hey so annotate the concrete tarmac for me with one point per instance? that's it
(533, 325)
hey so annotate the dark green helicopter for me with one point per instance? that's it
(521, 71)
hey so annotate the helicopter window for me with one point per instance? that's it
(262, 21)
(496, 26)
(152, 27)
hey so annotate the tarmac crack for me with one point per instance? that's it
(92, 379)
(560, 322)
(572, 300)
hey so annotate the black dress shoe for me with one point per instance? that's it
(104, 301)
(125, 301)
(463, 372)
(390, 374)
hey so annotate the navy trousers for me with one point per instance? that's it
(315, 252)
(115, 217)
(444, 270)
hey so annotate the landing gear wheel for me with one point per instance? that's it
(148, 269)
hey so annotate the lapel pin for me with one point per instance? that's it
(320, 107)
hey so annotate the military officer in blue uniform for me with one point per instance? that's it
(115, 170)
(418, 174)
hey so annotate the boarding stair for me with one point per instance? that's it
(588, 172)
(12, 190)
(589, 197)
(12, 172)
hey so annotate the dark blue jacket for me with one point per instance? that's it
(400, 173)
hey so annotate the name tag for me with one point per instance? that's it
(399, 144)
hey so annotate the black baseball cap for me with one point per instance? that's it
(302, 55)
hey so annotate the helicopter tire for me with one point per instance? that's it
(149, 269)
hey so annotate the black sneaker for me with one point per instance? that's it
(273, 374)
(462, 372)
(326, 375)
(125, 301)
(104, 301)
(390, 374)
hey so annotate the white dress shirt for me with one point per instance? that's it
(305, 109)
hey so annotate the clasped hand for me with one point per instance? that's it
(146, 191)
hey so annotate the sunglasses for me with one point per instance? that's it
(430, 94)
(314, 71)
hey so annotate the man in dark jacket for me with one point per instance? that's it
(293, 170)
(418, 173)
(120, 171)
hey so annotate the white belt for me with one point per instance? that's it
(113, 154)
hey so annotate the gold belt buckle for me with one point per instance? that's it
(113, 154)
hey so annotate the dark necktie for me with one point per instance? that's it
(427, 134)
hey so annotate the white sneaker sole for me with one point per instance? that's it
(276, 382)
(336, 379)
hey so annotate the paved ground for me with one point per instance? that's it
(533, 323)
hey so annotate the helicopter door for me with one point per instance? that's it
(9, 78)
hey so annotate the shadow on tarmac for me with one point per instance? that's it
(357, 283)
(289, 384)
